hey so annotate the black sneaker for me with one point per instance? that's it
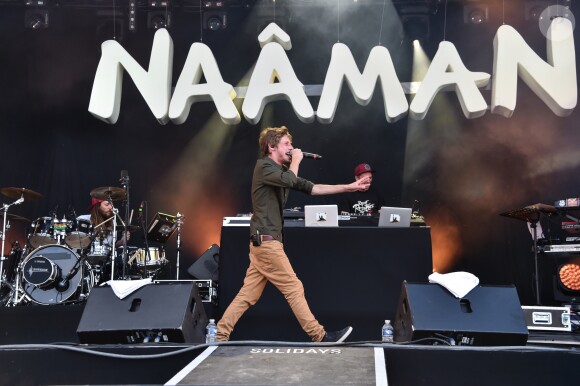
(337, 336)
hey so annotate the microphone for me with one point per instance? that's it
(64, 282)
(124, 180)
(54, 211)
(307, 155)
(141, 209)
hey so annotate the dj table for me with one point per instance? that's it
(351, 275)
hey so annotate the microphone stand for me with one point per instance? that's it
(4, 226)
(147, 256)
(180, 218)
(125, 183)
(114, 254)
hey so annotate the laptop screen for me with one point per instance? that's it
(321, 215)
(395, 217)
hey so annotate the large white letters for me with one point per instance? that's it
(273, 64)
(154, 84)
(274, 79)
(554, 82)
(447, 72)
(343, 68)
(200, 61)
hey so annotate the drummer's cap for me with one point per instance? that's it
(94, 201)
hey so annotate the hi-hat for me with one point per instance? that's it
(16, 193)
(109, 192)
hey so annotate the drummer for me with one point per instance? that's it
(101, 211)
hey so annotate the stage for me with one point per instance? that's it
(39, 346)
(287, 363)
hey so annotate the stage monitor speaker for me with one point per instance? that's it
(167, 312)
(486, 316)
(206, 266)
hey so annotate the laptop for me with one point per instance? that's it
(321, 215)
(395, 217)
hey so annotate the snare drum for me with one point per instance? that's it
(156, 257)
(99, 251)
(41, 233)
(80, 235)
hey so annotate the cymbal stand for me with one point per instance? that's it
(125, 183)
(180, 218)
(534, 226)
(143, 220)
(113, 246)
(5, 225)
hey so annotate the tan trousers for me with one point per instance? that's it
(269, 262)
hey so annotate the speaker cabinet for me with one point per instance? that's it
(206, 266)
(486, 316)
(167, 312)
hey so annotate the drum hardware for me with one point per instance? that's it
(80, 235)
(49, 231)
(124, 180)
(54, 274)
(180, 218)
(5, 225)
(99, 251)
(153, 257)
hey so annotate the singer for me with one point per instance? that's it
(275, 174)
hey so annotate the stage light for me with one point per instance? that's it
(569, 275)
(132, 15)
(533, 9)
(215, 20)
(36, 15)
(416, 27)
(158, 19)
(475, 14)
(36, 19)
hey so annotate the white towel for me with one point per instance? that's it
(458, 283)
(124, 288)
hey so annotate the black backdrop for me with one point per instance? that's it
(464, 172)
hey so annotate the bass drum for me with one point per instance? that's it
(44, 276)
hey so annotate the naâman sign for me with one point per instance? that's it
(273, 79)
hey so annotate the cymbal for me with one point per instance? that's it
(14, 217)
(107, 192)
(16, 193)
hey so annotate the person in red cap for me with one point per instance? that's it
(364, 202)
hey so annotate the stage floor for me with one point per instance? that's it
(287, 363)
(39, 346)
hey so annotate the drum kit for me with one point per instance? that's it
(63, 259)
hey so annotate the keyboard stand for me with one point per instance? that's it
(532, 214)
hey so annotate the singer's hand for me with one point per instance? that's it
(296, 155)
(363, 184)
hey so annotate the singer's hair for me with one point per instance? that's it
(271, 136)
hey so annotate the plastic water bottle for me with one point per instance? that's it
(387, 332)
(211, 332)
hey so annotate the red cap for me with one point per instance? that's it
(94, 201)
(363, 168)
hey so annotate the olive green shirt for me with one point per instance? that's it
(271, 185)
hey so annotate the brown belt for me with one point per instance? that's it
(267, 237)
